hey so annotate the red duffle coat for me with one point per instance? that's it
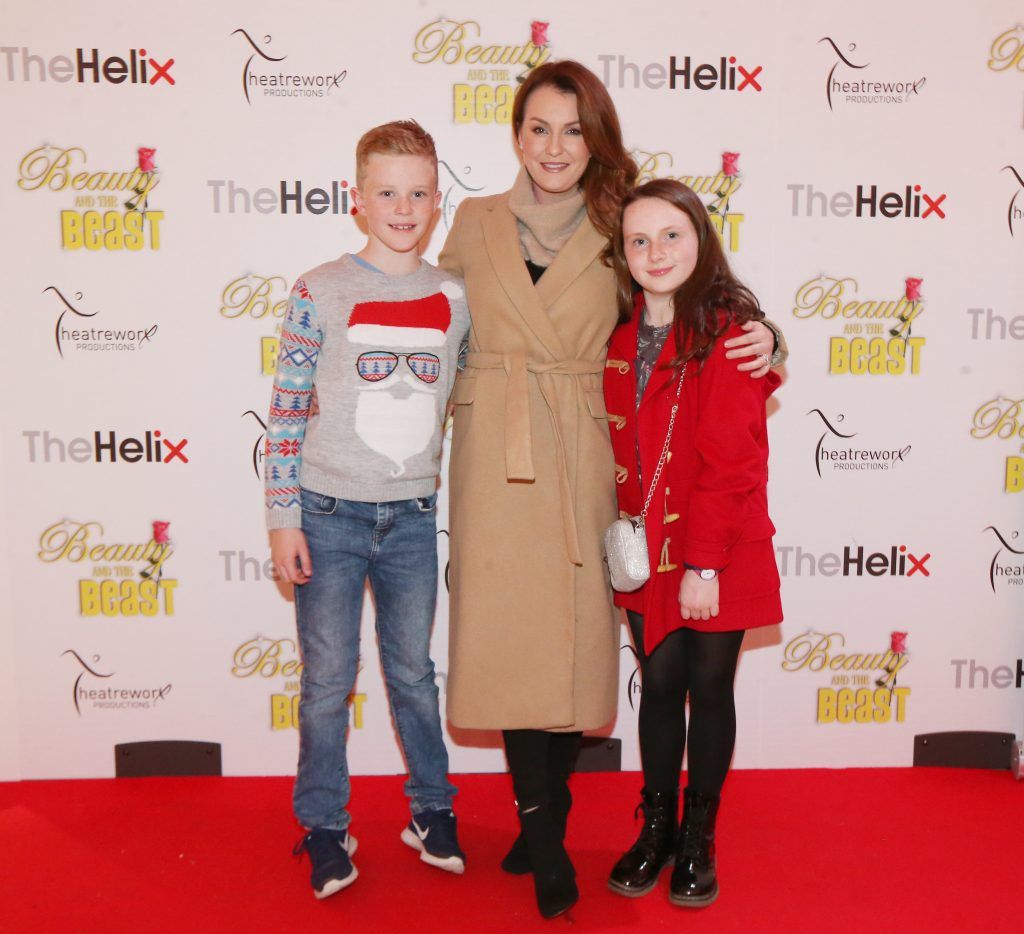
(710, 508)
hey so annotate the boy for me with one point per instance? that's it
(351, 493)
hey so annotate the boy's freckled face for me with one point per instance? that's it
(398, 197)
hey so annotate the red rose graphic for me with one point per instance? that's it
(729, 166)
(539, 33)
(914, 289)
(146, 163)
(160, 535)
(899, 642)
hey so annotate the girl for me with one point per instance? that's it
(709, 537)
(533, 634)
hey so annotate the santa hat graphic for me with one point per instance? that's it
(421, 322)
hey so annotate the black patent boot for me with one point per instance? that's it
(637, 871)
(554, 878)
(694, 883)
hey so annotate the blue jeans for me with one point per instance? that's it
(395, 546)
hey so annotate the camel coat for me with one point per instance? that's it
(533, 634)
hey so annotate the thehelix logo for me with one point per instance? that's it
(258, 446)
(835, 456)
(1009, 571)
(1007, 52)
(910, 202)
(104, 695)
(1003, 420)
(991, 326)
(94, 339)
(89, 67)
(1014, 214)
(290, 197)
(683, 73)
(282, 84)
(897, 561)
(980, 677)
(863, 90)
(152, 447)
(887, 347)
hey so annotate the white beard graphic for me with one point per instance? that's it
(396, 427)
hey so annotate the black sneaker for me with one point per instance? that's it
(329, 852)
(433, 834)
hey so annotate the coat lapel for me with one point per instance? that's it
(581, 249)
(502, 242)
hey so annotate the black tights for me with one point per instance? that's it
(703, 665)
(540, 763)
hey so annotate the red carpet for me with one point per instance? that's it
(900, 850)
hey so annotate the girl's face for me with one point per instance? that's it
(660, 244)
(551, 139)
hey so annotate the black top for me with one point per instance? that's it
(535, 271)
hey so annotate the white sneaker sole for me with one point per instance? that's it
(448, 864)
(336, 885)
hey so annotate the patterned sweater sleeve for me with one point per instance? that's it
(301, 337)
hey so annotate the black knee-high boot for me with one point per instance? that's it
(553, 874)
(563, 750)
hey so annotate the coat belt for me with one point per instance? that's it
(518, 433)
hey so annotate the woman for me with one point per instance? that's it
(533, 633)
(709, 537)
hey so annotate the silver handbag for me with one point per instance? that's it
(625, 540)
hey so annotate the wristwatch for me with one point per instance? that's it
(706, 574)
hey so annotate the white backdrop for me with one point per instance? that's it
(183, 312)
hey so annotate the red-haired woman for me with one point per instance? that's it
(709, 537)
(533, 632)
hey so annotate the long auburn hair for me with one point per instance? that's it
(710, 300)
(611, 171)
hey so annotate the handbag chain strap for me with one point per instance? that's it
(664, 451)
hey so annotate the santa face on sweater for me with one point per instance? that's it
(396, 404)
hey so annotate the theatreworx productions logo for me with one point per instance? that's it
(1007, 565)
(87, 66)
(837, 456)
(110, 210)
(258, 451)
(1007, 51)
(1002, 419)
(254, 297)
(852, 81)
(715, 190)
(276, 663)
(486, 94)
(95, 689)
(264, 76)
(876, 338)
(126, 579)
(68, 335)
(1014, 214)
(861, 687)
(683, 73)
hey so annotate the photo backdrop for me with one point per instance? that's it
(169, 172)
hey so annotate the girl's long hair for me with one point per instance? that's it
(710, 300)
(611, 171)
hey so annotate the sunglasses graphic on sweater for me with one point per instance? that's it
(376, 365)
